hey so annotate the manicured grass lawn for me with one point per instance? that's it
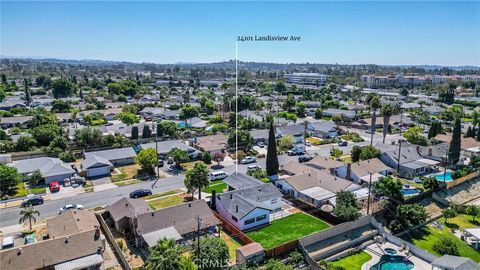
(353, 262)
(231, 243)
(313, 140)
(218, 186)
(287, 229)
(411, 183)
(462, 222)
(163, 194)
(426, 237)
(37, 190)
(20, 191)
(126, 183)
(127, 172)
(165, 202)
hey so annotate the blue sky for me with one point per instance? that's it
(446, 33)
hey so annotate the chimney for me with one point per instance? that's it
(429, 151)
(418, 148)
(349, 171)
(231, 195)
(19, 251)
(331, 171)
(126, 204)
(153, 214)
(66, 239)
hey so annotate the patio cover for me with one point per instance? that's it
(318, 193)
(152, 238)
(375, 177)
(429, 161)
(80, 263)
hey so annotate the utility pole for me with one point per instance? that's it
(399, 156)
(199, 222)
(156, 152)
(369, 188)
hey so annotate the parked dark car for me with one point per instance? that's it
(32, 201)
(343, 143)
(161, 163)
(304, 158)
(140, 193)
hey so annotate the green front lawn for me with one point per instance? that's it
(218, 186)
(232, 245)
(426, 237)
(165, 202)
(163, 194)
(287, 229)
(126, 172)
(353, 262)
(20, 191)
(128, 182)
(37, 190)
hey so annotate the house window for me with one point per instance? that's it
(234, 218)
(262, 217)
(249, 221)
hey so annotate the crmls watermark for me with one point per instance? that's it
(206, 263)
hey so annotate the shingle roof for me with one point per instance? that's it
(240, 180)
(182, 217)
(407, 154)
(95, 161)
(456, 263)
(71, 222)
(164, 147)
(365, 167)
(324, 163)
(294, 167)
(46, 165)
(50, 252)
(113, 154)
(126, 207)
(318, 178)
(265, 196)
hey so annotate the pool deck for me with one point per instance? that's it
(419, 263)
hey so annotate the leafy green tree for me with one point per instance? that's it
(430, 183)
(369, 152)
(356, 152)
(25, 143)
(455, 143)
(386, 111)
(408, 216)
(10, 179)
(404, 92)
(28, 214)
(128, 118)
(167, 128)
(273, 264)
(272, 157)
(335, 152)
(318, 113)
(134, 132)
(178, 155)
(60, 106)
(197, 178)
(146, 132)
(88, 136)
(245, 139)
(28, 96)
(300, 109)
(63, 88)
(2, 93)
(66, 156)
(473, 211)
(59, 142)
(166, 255)
(446, 245)
(4, 136)
(45, 134)
(188, 111)
(346, 207)
(387, 186)
(147, 158)
(414, 135)
(213, 254)
(35, 177)
(289, 103)
(186, 263)
(286, 142)
(435, 129)
(448, 213)
(207, 157)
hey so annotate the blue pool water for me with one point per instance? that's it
(390, 251)
(393, 263)
(447, 177)
(409, 191)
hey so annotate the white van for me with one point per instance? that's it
(218, 175)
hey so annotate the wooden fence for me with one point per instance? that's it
(464, 179)
(282, 249)
(234, 231)
(111, 240)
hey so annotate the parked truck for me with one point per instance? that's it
(297, 150)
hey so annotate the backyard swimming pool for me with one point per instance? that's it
(390, 251)
(444, 177)
(409, 191)
(393, 263)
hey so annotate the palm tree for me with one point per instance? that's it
(165, 255)
(186, 263)
(28, 213)
(387, 112)
(374, 102)
(197, 178)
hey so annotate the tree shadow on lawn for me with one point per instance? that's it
(419, 234)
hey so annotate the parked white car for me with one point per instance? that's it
(71, 206)
(252, 168)
(218, 175)
(248, 159)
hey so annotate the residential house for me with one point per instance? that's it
(331, 112)
(259, 135)
(466, 143)
(212, 144)
(433, 110)
(294, 167)
(171, 114)
(152, 113)
(15, 121)
(450, 262)
(75, 242)
(436, 152)
(237, 181)
(178, 222)
(250, 114)
(125, 209)
(359, 172)
(297, 131)
(323, 129)
(164, 148)
(11, 103)
(316, 188)
(411, 163)
(52, 169)
(99, 163)
(249, 207)
(321, 163)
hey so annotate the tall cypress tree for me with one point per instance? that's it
(134, 132)
(272, 158)
(455, 143)
(146, 132)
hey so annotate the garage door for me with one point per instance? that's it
(93, 172)
(58, 178)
